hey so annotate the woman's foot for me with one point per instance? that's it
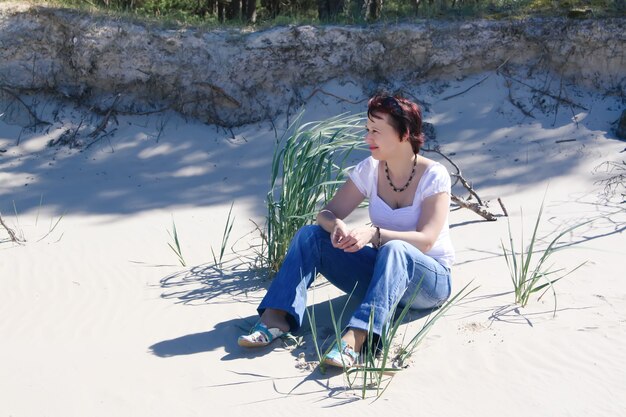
(273, 324)
(341, 357)
(347, 354)
(260, 336)
(273, 318)
(355, 338)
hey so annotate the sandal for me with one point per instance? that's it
(260, 336)
(344, 358)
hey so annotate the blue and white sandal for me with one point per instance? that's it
(345, 357)
(260, 336)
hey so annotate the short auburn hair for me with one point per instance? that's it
(405, 117)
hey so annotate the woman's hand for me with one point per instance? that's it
(339, 234)
(353, 240)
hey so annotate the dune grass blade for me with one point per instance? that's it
(527, 280)
(312, 321)
(306, 171)
(176, 247)
(376, 368)
(228, 227)
(337, 329)
(52, 227)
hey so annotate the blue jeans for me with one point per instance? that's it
(382, 278)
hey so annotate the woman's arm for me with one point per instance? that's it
(432, 218)
(330, 218)
(347, 198)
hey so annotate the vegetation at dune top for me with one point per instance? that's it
(268, 13)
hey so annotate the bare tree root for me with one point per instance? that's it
(12, 236)
(37, 120)
(545, 93)
(476, 83)
(319, 90)
(516, 103)
(103, 124)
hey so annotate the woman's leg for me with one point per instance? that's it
(400, 270)
(311, 252)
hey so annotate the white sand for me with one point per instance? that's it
(98, 319)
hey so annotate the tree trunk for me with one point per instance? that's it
(250, 10)
(211, 6)
(221, 11)
(272, 6)
(329, 9)
(234, 10)
(373, 8)
(416, 5)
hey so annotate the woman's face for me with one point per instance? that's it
(382, 139)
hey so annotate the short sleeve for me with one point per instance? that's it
(437, 180)
(362, 176)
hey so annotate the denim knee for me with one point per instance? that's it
(309, 231)
(395, 246)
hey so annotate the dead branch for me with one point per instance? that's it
(478, 207)
(319, 90)
(475, 207)
(458, 175)
(503, 208)
(517, 103)
(103, 124)
(12, 236)
(32, 114)
(477, 83)
(545, 93)
(105, 135)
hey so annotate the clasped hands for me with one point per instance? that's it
(351, 240)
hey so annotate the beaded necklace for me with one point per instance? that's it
(393, 187)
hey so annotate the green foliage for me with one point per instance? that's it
(391, 360)
(307, 168)
(528, 280)
(373, 369)
(225, 236)
(205, 12)
(175, 245)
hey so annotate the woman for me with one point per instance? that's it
(409, 199)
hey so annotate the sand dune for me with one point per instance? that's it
(98, 318)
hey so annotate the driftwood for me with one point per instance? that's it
(479, 207)
(12, 236)
(503, 208)
(475, 207)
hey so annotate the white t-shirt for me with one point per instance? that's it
(434, 180)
